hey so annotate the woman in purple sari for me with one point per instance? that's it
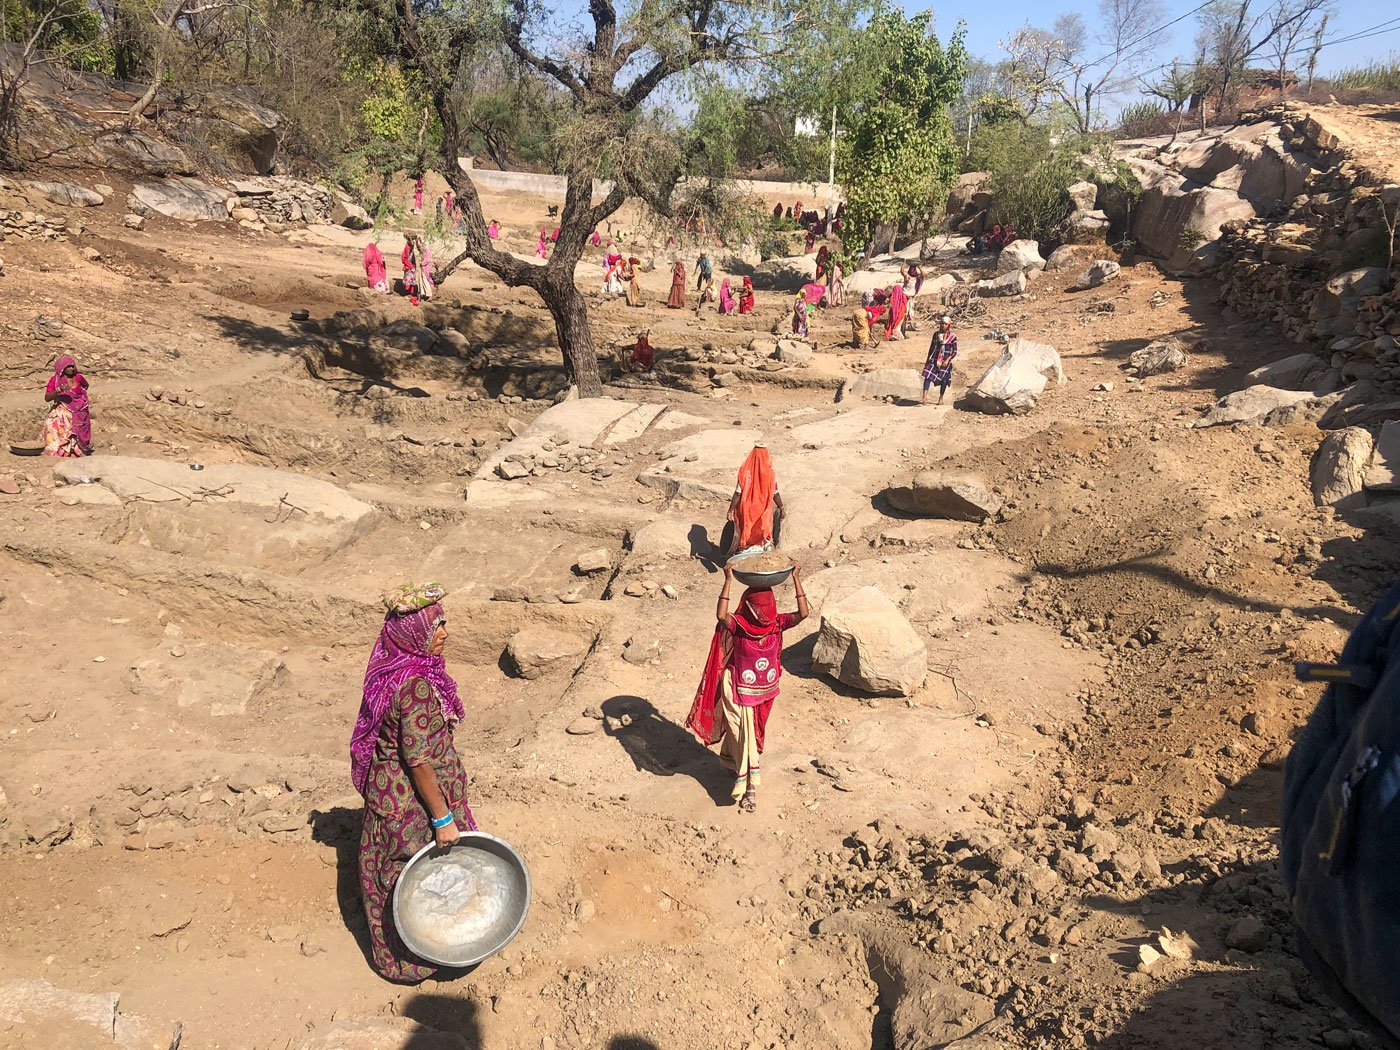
(403, 762)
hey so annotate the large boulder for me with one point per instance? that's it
(1156, 358)
(1335, 304)
(1339, 468)
(350, 215)
(883, 382)
(220, 678)
(1250, 404)
(1068, 256)
(1084, 194)
(866, 643)
(1172, 222)
(1020, 255)
(406, 336)
(1099, 271)
(67, 194)
(187, 199)
(1383, 472)
(931, 494)
(1013, 283)
(1297, 372)
(1014, 382)
(535, 651)
(246, 131)
(786, 273)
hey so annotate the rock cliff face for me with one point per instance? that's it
(1196, 183)
(78, 119)
(1323, 269)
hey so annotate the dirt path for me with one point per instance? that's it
(1094, 658)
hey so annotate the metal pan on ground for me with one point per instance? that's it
(759, 579)
(460, 905)
(301, 315)
(26, 450)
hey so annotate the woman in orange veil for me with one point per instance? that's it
(756, 509)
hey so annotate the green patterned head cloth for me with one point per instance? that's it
(412, 596)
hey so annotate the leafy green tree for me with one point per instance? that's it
(608, 72)
(898, 153)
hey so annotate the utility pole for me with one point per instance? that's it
(831, 170)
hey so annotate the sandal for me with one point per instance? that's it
(749, 802)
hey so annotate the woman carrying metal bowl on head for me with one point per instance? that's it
(402, 760)
(741, 680)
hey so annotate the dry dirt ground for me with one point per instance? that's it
(1095, 755)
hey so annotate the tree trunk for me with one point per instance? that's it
(570, 312)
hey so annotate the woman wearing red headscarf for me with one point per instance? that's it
(741, 680)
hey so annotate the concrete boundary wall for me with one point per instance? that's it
(814, 193)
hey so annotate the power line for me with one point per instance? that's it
(1149, 33)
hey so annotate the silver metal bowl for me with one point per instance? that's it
(758, 579)
(459, 905)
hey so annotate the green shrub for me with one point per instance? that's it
(1141, 118)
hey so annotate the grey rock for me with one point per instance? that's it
(935, 495)
(1156, 358)
(1250, 405)
(1013, 283)
(866, 643)
(189, 200)
(1339, 468)
(883, 382)
(1383, 471)
(1014, 382)
(1247, 934)
(1099, 271)
(535, 651)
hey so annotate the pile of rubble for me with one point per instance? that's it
(32, 225)
(279, 200)
(1323, 270)
(558, 454)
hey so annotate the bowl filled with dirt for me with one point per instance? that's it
(764, 569)
(461, 904)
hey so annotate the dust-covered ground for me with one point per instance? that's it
(1094, 758)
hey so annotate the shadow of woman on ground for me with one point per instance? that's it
(340, 828)
(662, 748)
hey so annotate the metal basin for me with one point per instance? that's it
(463, 904)
(758, 579)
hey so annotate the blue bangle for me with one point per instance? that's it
(442, 821)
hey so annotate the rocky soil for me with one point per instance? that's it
(1056, 832)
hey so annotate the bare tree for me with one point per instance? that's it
(1291, 35)
(1060, 62)
(165, 42)
(1234, 32)
(608, 73)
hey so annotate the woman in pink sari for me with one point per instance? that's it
(814, 293)
(68, 429)
(727, 304)
(376, 274)
(494, 230)
(899, 306)
(542, 249)
(418, 195)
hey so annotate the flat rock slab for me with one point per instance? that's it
(55, 1015)
(1297, 372)
(715, 449)
(676, 486)
(856, 427)
(634, 424)
(230, 512)
(396, 1033)
(905, 383)
(1249, 404)
(585, 421)
(224, 679)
